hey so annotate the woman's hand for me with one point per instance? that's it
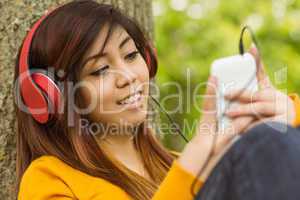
(266, 104)
(198, 150)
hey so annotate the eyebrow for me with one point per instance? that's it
(124, 42)
(99, 55)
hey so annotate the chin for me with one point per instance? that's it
(133, 120)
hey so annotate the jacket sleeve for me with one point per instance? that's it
(296, 101)
(177, 184)
(38, 183)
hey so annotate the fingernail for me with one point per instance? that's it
(253, 47)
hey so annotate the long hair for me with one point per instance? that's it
(61, 41)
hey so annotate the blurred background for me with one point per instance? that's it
(190, 34)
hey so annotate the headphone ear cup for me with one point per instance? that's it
(49, 89)
(148, 58)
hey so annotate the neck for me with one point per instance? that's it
(122, 147)
(120, 144)
(118, 138)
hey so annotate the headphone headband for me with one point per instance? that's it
(23, 63)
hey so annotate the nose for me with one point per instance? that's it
(125, 77)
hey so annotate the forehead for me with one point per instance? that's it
(114, 38)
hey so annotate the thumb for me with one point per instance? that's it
(209, 100)
(262, 77)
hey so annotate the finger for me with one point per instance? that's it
(262, 77)
(253, 124)
(247, 96)
(236, 127)
(264, 120)
(257, 109)
(242, 96)
(240, 124)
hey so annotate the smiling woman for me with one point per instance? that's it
(107, 63)
(119, 78)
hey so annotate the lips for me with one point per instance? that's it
(125, 100)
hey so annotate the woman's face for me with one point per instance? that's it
(109, 80)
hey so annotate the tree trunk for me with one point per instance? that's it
(16, 18)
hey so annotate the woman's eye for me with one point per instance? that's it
(100, 71)
(132, 55)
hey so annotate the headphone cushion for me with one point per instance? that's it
(48, 87)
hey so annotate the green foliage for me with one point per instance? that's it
(190, 37)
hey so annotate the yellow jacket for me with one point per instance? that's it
(47, 177)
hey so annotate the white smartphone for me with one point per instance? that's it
(236, 72)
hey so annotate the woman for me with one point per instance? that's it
(99, 145)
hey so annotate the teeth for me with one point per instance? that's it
(131, 99)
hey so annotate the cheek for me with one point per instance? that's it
(142, 70)
(146, 78)
(104, 91)
(86, 94)
(97, 92)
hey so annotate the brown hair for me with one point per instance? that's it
(61, 41)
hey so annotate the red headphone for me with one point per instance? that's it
(39, 91)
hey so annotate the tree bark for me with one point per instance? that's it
(16, 18)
